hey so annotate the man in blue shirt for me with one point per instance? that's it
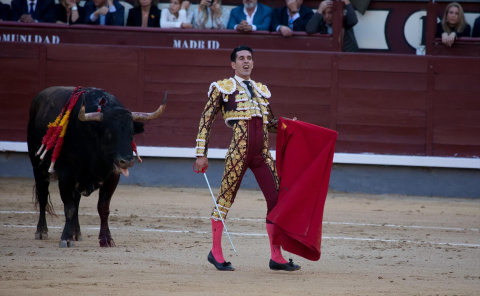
(251, 16)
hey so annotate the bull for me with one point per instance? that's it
(97, 148)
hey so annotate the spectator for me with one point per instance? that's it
(476, 28)
(251, 16)
(144, 14)
(211, 15)
(71, 11)
(177, 15)
(29, 11)
(321, 22)
(292, 17)
(4, 12)
(104, 13)
(453, 24)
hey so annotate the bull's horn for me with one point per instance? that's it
(139, 116)
(93, 116)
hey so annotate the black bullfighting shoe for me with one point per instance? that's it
(227, 266)
(290, 266)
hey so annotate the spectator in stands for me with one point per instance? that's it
(104, 13)
(177, 15)
(69, 12)
(210, 15)
(251, 16)
(453, 25)
(292, 17)
(476, 28)
(29, 11)
(144, 14)
(321, 22)
(4, 12)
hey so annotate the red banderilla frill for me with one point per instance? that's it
(57, 129)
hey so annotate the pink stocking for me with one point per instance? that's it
(217, 230)
(275, 248)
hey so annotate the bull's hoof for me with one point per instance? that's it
(41, 235)
(107, 243)
(67, 244)
(78, 237)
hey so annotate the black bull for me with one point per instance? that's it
(97, 147)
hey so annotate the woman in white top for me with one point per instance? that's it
(211, 15)
(176, 16)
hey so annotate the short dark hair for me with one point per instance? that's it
(233, 56)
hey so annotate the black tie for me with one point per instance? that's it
(31, 9)
(249, 87)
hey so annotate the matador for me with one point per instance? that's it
(246, 109)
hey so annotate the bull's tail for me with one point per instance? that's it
(48, 208)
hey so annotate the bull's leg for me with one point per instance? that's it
(71, 199)
(77, 234)
(41, 196)
(103, 206)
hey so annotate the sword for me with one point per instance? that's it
(216, 205)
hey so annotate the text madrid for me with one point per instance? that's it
(201, 44)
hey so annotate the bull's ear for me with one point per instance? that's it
(138, 127)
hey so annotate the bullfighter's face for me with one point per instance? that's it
(243, 64)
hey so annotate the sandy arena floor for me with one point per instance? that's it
(372, 245)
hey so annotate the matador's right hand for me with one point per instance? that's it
(201, 164)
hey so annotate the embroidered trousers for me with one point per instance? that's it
(248, 149)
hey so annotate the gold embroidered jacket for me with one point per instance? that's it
(232, 98)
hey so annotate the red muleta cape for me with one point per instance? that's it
(304, 162)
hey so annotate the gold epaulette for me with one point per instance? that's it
(262, 89)
(226, 86)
